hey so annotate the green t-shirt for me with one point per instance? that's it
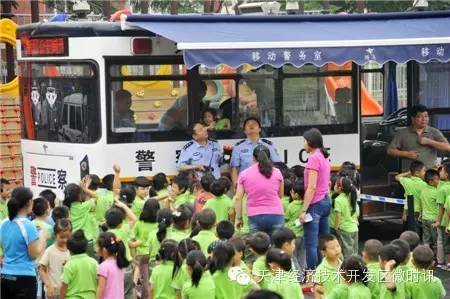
(245, 228)
(141, 232)
(227, 288)
(161, 280)
(153, 245)
(80, 276)
(137, 206)
(424, 285)
(285, 284)
(399, 292)
(348, 222)
(352, 291)
(428, 203)
(3, 210)
(183, 198)
(105, 200)
(205, 288)
(285, 202)
(291, 215)
(220, 205)
(81, 218)
(123, 233)
(447, 210)
(443, 193)
(373, 276)
(177, 235)
(327, 276)
(261, 273)
(181, 277)
(204, 238)
(413, 185)
(44, 225)
(222, 124)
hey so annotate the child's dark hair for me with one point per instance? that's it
(72, 194)
(127, 194)
(280, 257)
(62, 225)
(430, 174)
(263, 294)
(40, 206)
(164, 219)
(238, 244)
(222, 255)
(181, 216)
(218, 187)
(114, 247)
(159, 181)
(354, 270)
(150, 210)
(348, 169)
(298, 187)
(227, 182)
(324, 239)
(207, 219)
(114, 217)
(225, 229)
(108, 181)
(349, 189)
(404, 246)
(50, 196)
(169, 252)
(423, 257)
(77, 243)
(182, 181)
(446, 167)
(259, 242)
(60, 212)
(299, 171)
(281, 236)
(288, 187)
(391, 252)
(95, 182)
(20, 198)
(416, 166)
(412, 238)
(372, 249)
(187, 245)
(206, 181)
(141, 181)
(197, 261)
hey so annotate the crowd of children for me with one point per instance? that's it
(159, 239)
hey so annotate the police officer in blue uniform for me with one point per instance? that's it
(201, 153)
(242, 156)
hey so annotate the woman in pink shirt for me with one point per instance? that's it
(316, 202)
(263, 185)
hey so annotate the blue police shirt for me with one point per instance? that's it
(242, 156)
(208, 155)
(15, 236)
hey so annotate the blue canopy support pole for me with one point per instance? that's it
(391, 88)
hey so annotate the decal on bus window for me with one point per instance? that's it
(48, 177)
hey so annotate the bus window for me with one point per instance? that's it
(60, 101)
(216, 106)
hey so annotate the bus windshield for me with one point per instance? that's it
(60, 101)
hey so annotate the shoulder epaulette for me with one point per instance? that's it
(212, 139)
(188, 145)
(240, 142)
(266, 141)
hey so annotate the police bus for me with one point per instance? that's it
(98, 93)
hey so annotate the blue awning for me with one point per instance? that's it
(296, 40)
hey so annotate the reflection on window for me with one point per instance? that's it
(216, 106)
(146, 70)
(434, 84)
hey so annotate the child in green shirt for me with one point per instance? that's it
(239, 248)
(326, 275)
(182, 274)
(284, 239)
(180, 192)
(391, 283)
(206, 220)
(105, 196)
(141, 185)
(259, 244)
(181, 228)
(371, 256)
(163, 274)
(79, 277)
(284, 278)
(287, 199)
(429, 208)
(354, 280)
(346, 212)
(155, 238)
(291, 216)
(443, 241)
(221, 204)
(424, 284)
(41, 211)
(201, 284)
(159, 186)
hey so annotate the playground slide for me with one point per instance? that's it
(369, 105)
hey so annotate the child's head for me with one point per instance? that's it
(259, 243)
(432, 177)
(299, 171)
(110, 246)
(77, 243)
(160, 181)
(127, 194)
(164, 219)
(287, 187)
(141, 184)
(284, 239)
(62, 231)
(218, 187)
(108, 182)
(423, 257)
(41, 208)
(222, 256)
(72, 193)
(239, 249)
(353, 270)
(208, 116)
(206, 219)
(50, 196)
(371, 251)
(181, 218)
(227, 182)
(390, 252)
(196, 262)
(417, 168)
(114, 217)
(263, 294)
(404, 250)
(95, 182)
(444, 172)
(187, 245)
(329, 247)
(225, 230)
(169, 252)
(277, 259)
(345, 185)
(298, 189)
(150, 210)
(412, 238)
(60, 212)
(180, 184)
(206, 182)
